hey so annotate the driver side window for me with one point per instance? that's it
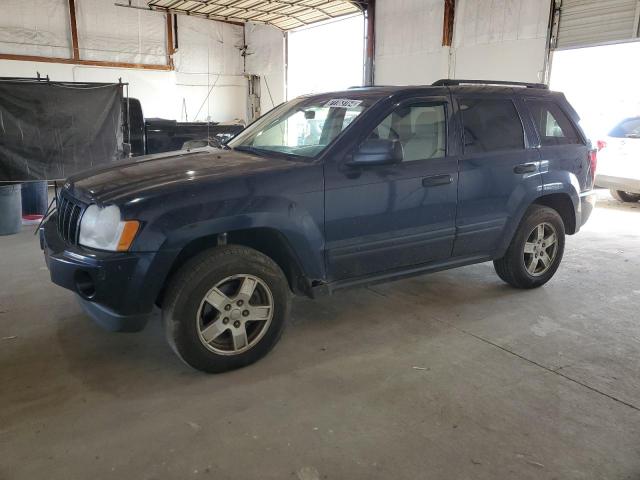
(420, 128)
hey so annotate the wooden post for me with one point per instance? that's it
(74, 30)
(369, 60)
(449, 19)
(170, 49)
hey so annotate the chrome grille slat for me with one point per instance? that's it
(69, 214)
(73, 224)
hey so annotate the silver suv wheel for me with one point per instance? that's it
(540, 249)
(235, 314)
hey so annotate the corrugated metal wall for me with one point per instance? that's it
(596, 22)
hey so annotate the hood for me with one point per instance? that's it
(130, 178)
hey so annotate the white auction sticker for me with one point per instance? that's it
(343, 103)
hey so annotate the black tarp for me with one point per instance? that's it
(50, 130)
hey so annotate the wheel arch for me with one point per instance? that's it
(268, 241)
(563, 204)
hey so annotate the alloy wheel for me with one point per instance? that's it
(540, 249)
(235, 314)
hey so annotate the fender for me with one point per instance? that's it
(299, 229)
(557, 182)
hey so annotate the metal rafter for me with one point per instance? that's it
(275, 11)
(272, 12)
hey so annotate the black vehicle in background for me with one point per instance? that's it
(157, 135)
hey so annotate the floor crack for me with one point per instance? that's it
(548, 369)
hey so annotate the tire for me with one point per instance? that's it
(205, 309)
(624, 197)
(513, 266)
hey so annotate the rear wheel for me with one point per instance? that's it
(626, 197)
(535, 251)
(226, 308)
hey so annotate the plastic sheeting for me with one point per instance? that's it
(115, 34)
(265, 57)
(51, 130)
(409, 42)
(493, 21)
(503, 40)
(493, 39)
(208, 47)
(36, 27)
(210, 71)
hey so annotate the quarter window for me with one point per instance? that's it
(420, 128)
(490, 125)
(554, 127)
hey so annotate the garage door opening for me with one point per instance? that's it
(326, 57)
(601, 83)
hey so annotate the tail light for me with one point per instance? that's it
(601, 144)
(593, 163)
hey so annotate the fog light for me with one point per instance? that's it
(84, 284)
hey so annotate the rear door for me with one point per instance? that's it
(384, 217)
(497, 171)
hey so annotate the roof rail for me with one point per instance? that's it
(448, 82)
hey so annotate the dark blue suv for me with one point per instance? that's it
(324, 192)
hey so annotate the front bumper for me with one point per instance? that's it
(117, 290)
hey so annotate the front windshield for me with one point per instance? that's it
(303, 127)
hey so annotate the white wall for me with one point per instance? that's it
(209, 76)
(110, 33)
(209, 70)
(500, 39)
(409, 42)
(37, 27)
(493, 39)
(265, 57)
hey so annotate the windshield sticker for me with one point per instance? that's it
(343, 103)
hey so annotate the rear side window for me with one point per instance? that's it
(490, 125)
(553, 126)
(629, 128)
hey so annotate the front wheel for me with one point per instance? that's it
(535, 251)
(226, 308)
(625, 197)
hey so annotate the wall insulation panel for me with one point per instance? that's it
(37, 27)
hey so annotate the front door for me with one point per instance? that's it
(384, 217)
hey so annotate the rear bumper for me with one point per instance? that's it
(587, 204)
(118, 290)
(630, 185)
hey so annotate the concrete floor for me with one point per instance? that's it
(452, 375)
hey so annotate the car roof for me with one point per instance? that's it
(484, 88)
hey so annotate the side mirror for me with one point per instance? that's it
(377, 151)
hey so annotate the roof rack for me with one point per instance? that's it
(447, 82)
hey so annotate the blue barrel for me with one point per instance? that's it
(34, 199)
(10, 209)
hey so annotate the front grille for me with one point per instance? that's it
(69, 213)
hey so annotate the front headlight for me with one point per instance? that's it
(102, 229)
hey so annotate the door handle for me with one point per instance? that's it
(525, 168)
(436, 180)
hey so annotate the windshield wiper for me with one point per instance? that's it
(215, 142)
(261, 152)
